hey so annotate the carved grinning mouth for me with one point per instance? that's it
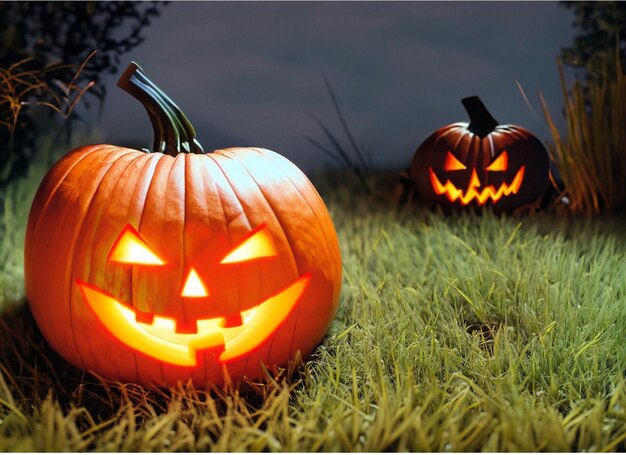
(473, 191)
(159, 339)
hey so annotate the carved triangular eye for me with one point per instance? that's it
(130, 248)
(453, 164)
(258, 245)
(501, 163)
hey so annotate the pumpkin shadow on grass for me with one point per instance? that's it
(31, 372)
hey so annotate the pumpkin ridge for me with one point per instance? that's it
(455, 134)
(143, 175)
(297, 314)
(215, 157)
(241, 164)
(278, 161)
(182, 208)
(205, 187)
(202, 176)
(226, 155)
(169, 178)
(51, 193)
(33, 223)
(227, 186)
(146, 172)
(152, 214)
(87, 222)
(269, 204)
(33, 266)
(152, 181)
(80, 221)
(70, 287)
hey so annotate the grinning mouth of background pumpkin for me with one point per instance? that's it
(473, 191)
(160, 340)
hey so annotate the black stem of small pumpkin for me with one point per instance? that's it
(481, 121)
(173, 133)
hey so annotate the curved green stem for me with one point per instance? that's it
(173, 133)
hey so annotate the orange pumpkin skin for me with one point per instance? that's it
(192, 209)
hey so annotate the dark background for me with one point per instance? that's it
(250, 74)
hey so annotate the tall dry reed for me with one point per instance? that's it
(591, 157)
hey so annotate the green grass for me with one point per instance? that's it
(454, 333)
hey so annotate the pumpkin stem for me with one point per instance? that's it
(173, 133)
(481, 121)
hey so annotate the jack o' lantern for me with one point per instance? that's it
(480, 164)
(178, 264)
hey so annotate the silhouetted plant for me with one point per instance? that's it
(601, 26)
(356, 158)
(47, 60)
(23, 85)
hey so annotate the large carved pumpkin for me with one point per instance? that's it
(163, 267)
(480, 164)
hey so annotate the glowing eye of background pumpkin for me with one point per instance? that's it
(258, 245)
(501, 163)
(453, 164)
(130, 248)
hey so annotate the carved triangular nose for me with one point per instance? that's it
(194, 287)
(474, 180)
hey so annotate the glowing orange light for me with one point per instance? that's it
(120, 321)
(194, 287)
(453, 164)
(258, 245)
(265, 321)
(501, 163)
(129, 248)
(161, 341)
(473, 193)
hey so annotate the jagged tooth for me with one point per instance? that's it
(164, 324)
(221, 322)
(232, 321)
(192, 327)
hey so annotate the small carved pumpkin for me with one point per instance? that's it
(480, 164)
(168, 266)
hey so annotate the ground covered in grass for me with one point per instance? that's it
(454, 333)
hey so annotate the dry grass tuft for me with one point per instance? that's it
(591, 158)
(22, 85)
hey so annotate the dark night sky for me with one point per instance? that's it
(249, 74)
